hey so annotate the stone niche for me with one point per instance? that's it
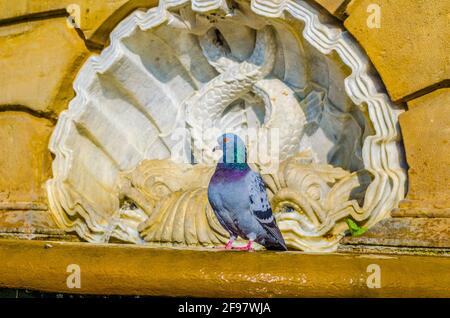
(132, 152)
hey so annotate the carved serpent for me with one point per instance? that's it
(237, 80)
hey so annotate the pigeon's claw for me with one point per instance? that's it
(229, 245)
(247, 247)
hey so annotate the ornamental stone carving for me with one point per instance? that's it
(133, 153)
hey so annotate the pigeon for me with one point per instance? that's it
(238, 196)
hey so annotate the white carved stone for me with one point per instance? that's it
(193, 66)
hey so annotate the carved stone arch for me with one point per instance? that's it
(339, 141)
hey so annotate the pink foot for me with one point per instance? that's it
(228, 246)
(247, 247)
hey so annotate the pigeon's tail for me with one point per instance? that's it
(275, 246)
(273, 240)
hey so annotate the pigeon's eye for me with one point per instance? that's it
(225, 140)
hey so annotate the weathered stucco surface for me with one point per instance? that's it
(95, 19)
(410, 49)
(426, 135)
(24, 161)
(38, 62)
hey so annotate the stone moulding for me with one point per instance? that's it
(84, 198)
(133, 270)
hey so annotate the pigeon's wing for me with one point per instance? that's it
(259, 201)
(260, 208)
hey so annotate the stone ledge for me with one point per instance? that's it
(406, 232)
(31, 225)
(420, 212)
(134, 270)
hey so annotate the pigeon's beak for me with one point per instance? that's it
(216, 148)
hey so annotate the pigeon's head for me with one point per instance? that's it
(233, 149)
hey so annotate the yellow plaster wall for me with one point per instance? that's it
(96, 17)
(426, 134)
(38, 62)
(411, 49)
(24, 160)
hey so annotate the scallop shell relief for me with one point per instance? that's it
(133, 151)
